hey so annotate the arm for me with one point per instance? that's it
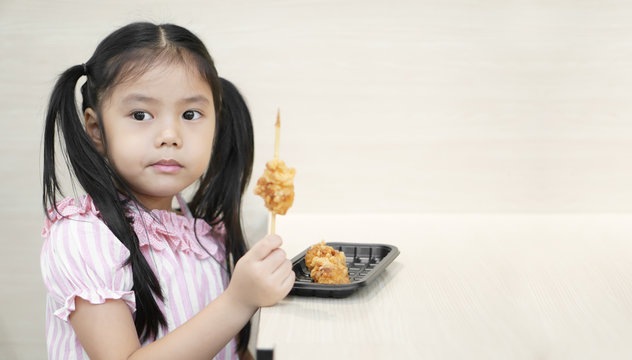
(262, 277)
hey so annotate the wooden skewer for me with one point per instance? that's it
(277, 136)
(273, 224)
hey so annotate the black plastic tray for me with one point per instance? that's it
(365, 263)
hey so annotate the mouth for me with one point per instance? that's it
(167, 166)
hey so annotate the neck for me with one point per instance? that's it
(155, 203)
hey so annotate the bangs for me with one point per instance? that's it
(132, 65)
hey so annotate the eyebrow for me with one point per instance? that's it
(196, 99)
(135, 97)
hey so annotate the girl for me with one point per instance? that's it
(129, 277)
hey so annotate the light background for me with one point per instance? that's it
(387, 106)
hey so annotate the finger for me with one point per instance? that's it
(275, 258)
(288, 282)
(264, 246)
(283, 269)
(283, 279)
(280, 275)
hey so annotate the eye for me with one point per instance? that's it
(191, 115)
(141, 115)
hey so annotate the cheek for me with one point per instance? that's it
(207, 147)
(208, 140)
(117, 140)
(204, 146)
(124, 149)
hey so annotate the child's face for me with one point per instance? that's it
(159, 129)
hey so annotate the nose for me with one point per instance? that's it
(169, 135)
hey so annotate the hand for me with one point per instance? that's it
(263, 276)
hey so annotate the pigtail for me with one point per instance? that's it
(99, 181)
(221, 189)
(61, 106)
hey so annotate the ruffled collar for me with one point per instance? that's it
(161, 228)
(156, 229)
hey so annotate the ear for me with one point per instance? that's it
(93, 129)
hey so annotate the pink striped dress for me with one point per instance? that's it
(82, 258)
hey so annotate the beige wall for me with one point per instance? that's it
(387, 106)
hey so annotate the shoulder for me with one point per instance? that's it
(75, 230)
(82, 208)
(81, 257)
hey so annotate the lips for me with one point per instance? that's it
(167, 166)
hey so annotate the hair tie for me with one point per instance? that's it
(85, 69)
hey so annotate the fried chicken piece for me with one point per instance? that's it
(326, 271)
(327, 265)
(319, 250)
(276, 186)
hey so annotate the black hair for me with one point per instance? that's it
(127, 53)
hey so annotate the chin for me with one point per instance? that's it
(161, 191)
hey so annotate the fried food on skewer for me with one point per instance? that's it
(327, 265)
(276, 185)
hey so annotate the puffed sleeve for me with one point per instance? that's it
(82, 258)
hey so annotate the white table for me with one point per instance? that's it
(465, 286)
